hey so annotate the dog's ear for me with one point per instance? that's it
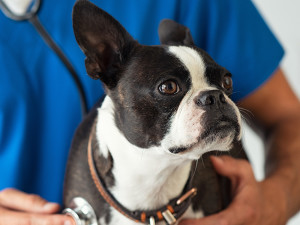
(103, 40)
(172, 33)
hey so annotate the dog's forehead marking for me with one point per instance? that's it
(194, 63)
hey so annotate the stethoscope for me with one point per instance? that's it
(80, 210)
(32, 16)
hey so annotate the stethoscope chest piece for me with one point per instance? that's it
(81, 211)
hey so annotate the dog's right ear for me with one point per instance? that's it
(173, 33)
(103, 40)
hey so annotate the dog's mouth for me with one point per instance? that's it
(215, 131)
(220, 128)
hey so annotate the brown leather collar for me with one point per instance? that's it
(170, 212)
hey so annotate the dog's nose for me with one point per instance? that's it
(210, 98)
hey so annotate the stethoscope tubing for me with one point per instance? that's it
(32, 17)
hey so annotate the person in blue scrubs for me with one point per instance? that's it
(40, 107)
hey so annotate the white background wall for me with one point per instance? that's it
(283, 17)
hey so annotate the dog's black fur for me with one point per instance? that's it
(108, 63)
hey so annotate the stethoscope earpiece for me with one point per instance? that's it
(27, 15)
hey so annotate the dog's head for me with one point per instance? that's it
(173, 96)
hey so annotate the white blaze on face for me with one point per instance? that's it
(193, 63)
(185, 125)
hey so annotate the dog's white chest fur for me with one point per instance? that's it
(145, 179)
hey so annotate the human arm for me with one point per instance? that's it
(277, 111)
(274, 200)
(19, 208)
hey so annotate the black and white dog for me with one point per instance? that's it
(134, 157)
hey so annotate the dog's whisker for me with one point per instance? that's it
(235, 92)
(203, 164)
(246, 111)
(247, 120)
(246, 115)
(195, 169)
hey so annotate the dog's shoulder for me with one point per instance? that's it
(78, 181)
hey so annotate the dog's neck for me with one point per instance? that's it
(144, 178)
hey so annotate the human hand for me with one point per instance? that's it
(19, 208)
(254, 203)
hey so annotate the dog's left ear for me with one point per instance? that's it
(172, 33)
(104, 41)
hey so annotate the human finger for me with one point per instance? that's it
(235, 214)
(228, 166)
(238, 171)
(243, 185)
(18, 200)
(11, 217)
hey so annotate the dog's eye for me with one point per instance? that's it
(227, 82)
(169, 87)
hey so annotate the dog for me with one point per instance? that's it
(134, 157)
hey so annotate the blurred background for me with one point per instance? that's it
(284, 20)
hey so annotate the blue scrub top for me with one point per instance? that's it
(39, 103)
